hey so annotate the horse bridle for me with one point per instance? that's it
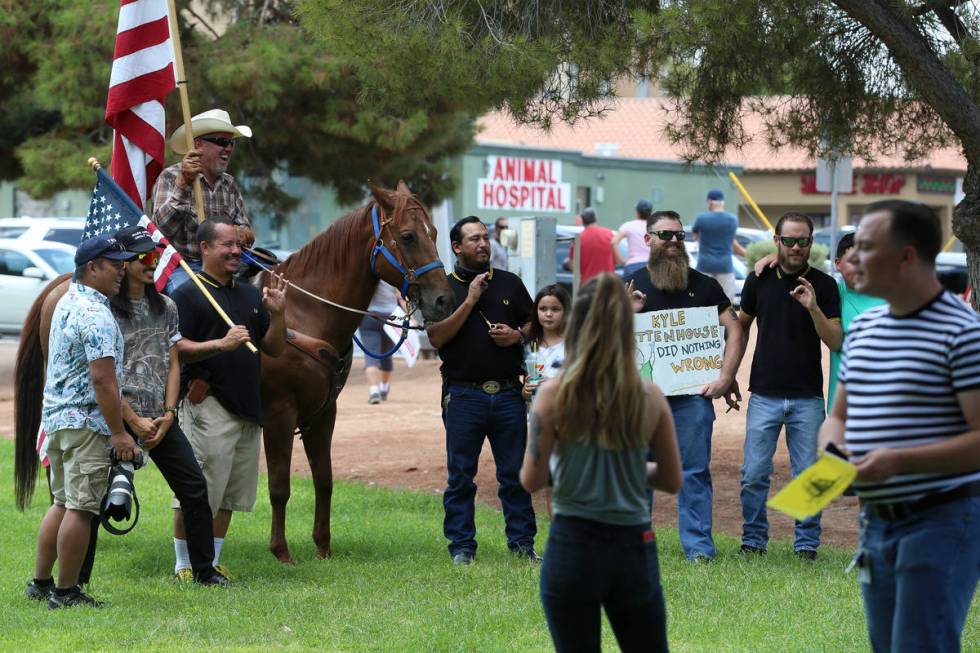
(409, 275)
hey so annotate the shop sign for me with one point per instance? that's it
(884, 183)
(935, 184)
(519, 184)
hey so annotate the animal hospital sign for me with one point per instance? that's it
(518, 184)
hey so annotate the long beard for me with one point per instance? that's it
(668, 273)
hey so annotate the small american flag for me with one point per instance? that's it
(111, 209)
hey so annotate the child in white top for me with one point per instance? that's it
(547, 339)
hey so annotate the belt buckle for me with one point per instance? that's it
(490, 387)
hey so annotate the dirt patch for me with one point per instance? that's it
(401, 443)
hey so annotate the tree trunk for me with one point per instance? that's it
(966, 226)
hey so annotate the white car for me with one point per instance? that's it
(26, 267)
(60, 230)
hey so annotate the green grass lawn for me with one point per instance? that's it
(390, 587)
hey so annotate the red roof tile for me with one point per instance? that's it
(632, 128)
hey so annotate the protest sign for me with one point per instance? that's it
(815, 487)
(680, 350)
(411, 347)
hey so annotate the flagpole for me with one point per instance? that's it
(185, 102)
(193, 275)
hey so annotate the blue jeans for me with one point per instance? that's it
(694, 417)
(923, 573)
(471, 415)
(178, 277)
(802, 417)
(589, 566)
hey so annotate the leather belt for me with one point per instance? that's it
(490, 387)
(900, 510)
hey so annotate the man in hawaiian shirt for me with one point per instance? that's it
(82, 416)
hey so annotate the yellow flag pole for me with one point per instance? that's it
(748, 198)
(190, 273)
(185, 102)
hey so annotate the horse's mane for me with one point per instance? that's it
(327, 251)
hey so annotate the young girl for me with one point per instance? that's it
(547, 339)
(591, 430)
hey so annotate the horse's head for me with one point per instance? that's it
(405, 252)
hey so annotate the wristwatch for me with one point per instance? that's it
(172, 410)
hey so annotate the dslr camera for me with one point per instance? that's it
(120, 502)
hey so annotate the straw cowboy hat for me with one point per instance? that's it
(209, 122)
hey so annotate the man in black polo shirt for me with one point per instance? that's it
(668, 282)
(797, 308)
(481, 347)
(221, 411)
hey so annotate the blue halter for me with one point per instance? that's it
(408, 274)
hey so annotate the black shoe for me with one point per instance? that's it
(806, 555)
(215, 579)
(527, 552)
(752, 550)
(464, 558)
(74, 597)
(39, 592)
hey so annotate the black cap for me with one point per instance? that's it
(135, 239)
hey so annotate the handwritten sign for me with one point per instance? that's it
(815, 487)
(680, 350)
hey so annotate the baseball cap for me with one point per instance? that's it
(101, 247)
(715, 195)
(135, 239)
(644, 206)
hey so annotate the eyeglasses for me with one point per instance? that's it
(789, 241)
(220, 141)
(667, 234)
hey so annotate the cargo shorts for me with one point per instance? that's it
(79, 468)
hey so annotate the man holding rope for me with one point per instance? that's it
(173, 199)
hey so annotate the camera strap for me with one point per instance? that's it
(104, 517)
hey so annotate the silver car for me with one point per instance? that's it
(26, 267)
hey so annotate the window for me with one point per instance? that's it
(11, 232)
(58, 259)
(66, 235)
(13, 263)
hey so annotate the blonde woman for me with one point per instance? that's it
(592, 428)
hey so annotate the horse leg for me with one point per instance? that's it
(278, 438)
(317, 444)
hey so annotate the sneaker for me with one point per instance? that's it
(464, 558)
(184, 575)
(806, 555)
(752, 550)
(528, 553)
(221, 569)
(74, 597)
(702, 559)
(37, 592)
(384, 394)
(215, 579)
(375, 398)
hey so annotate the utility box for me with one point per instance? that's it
(535, 260)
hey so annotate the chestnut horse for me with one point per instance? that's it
(391, 238)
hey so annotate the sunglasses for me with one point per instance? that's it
(220, 141)
(149, 258)
(789, 241)
(667, 234)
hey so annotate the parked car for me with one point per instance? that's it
(822, 237)
(746, 236)
(60, 230)
(565, 236)
(26, 267)
(952, 273)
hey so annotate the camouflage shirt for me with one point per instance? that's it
(149, 337)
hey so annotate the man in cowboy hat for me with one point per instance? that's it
(174, 209)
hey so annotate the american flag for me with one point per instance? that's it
(142, 76)
(111, 209)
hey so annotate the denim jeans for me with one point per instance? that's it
(694, 417)
(178, 277)
(923, 573)
(802, 417)
(471, 415)
(590, 566)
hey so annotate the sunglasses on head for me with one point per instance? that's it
(220, 141)
(667, 234)
(789, 241)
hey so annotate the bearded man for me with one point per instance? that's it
(798, 307)
(174, 209)
(668, 282)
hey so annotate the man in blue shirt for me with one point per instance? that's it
(715, 232)
(83, 418)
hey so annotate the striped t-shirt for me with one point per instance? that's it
(902, 374)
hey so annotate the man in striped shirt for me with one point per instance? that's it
(908, 411)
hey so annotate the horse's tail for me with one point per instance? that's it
(28, 394)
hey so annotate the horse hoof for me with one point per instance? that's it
(324, 555)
